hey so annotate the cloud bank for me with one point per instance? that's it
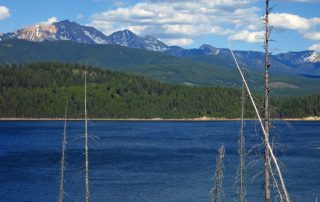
(180, 22)
(4, 12)
(49, 21)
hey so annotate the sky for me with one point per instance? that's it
(187, 23)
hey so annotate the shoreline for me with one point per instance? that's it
(155, 119)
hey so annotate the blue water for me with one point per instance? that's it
(150, 161)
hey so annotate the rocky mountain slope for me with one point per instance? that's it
(304, 62)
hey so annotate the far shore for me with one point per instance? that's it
(155, 119)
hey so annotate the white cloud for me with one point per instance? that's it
(49, 21)
(52, 20)
(289, 21)
(302, 1)
(315, 47)
(220, 31)
(315, 21)
(4, 12)
(187, 30)
(292, 22)
(179, 42)
(172, 20)
(305, 26)
(179, 19)
(251, 37)
(312, 36)
(80, 16)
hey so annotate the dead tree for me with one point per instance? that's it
(64, 142)
(267, 143)
(218, 176)
(266, 109)
(241, 150)
(87, 196)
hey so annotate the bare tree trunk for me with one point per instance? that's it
(218, 176)
(242, 151)
(266, 110)
(64, 142)
(87, 196)
(273, 158)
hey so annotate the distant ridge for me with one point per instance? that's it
(303, 62)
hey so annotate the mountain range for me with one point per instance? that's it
(71, 31)
(304, 62)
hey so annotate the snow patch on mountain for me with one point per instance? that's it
(217, 52)
(36, 33)
(131, 40)
(154, 44)
(95, 38)
(314, 57)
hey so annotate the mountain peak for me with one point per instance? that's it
(129, 39)
(38, 33)
(210, 49)
(123, 38)
(65, 21)
(127, 31)
(67, 30)
(206, 46)
(314, 57)
(150, 37)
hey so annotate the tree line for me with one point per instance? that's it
(40, 90)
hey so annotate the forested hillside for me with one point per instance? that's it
(158, 66)
(42, 89)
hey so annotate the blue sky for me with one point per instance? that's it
(188, 23)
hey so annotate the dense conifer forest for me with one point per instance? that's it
(40, 90)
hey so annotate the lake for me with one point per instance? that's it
(151, 161)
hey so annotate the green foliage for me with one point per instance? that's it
(299, 106)
(39, 90)
(205, 71)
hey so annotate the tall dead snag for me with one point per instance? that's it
(241, 178)
(218, 176)
(87, 196)
(64, 143)
(266, 109)
(273, 158)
